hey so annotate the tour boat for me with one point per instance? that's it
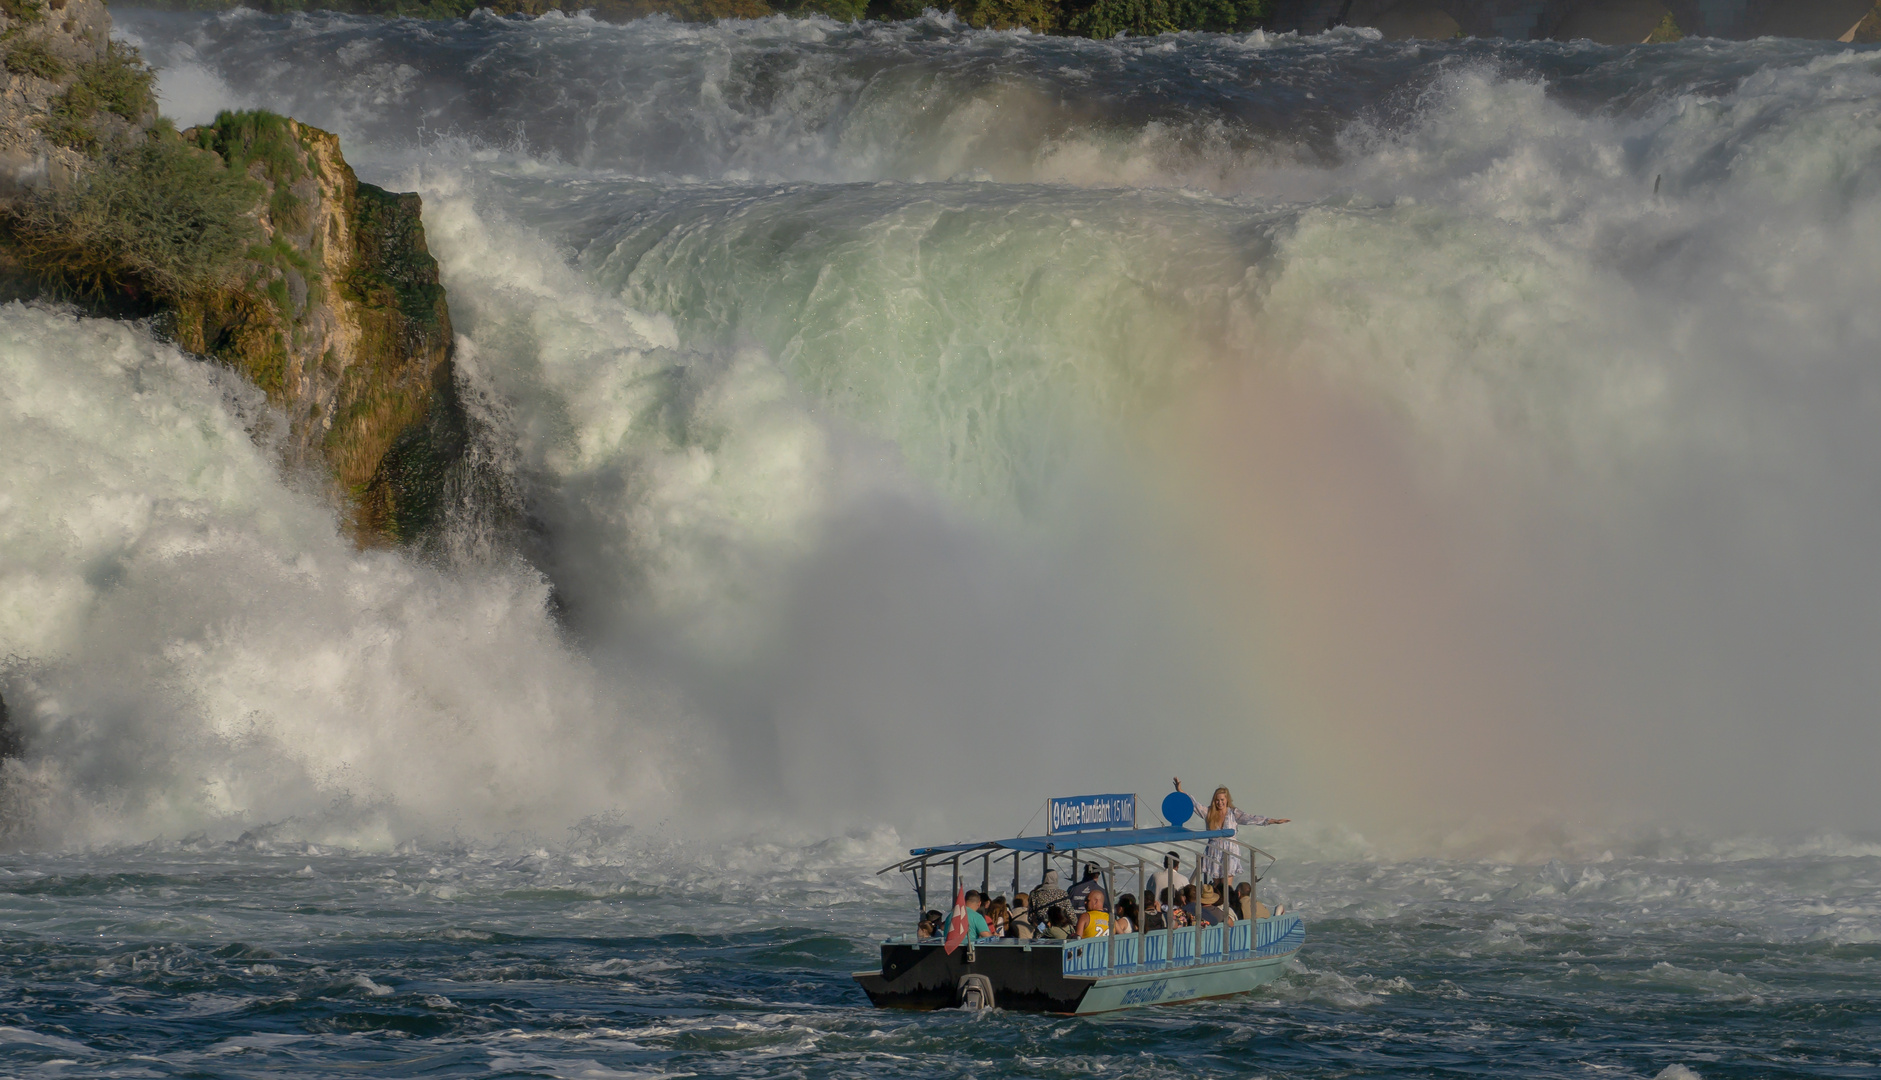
(1093, 975)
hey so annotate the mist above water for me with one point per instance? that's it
(915, 422)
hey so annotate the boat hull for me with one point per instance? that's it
(1086, 977)
(1026, 976)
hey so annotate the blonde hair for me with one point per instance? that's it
(1218, 818)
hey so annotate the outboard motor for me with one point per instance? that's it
(974, 993)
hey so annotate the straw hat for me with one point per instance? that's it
(1209, 896)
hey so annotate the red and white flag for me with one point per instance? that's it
(957, 926)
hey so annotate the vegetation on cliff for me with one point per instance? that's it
(1085, 18)
(154, 224)
(249, 241)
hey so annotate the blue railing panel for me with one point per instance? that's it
(1088, 957)
(1186, 947)
(1155, 949)
(1241, 939)
(1280, 935)
(1182, 946)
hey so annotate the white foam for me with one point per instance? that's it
(194, 646)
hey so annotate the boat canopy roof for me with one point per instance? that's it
(1108, 838)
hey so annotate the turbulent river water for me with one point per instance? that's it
(1466, 450)
(262, 959)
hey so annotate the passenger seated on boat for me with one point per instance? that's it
(1058, 925)
(1095, 922)
(930, 924)
(976, 922)
(1246, 906)
(1091, 881)
(1126, 917)
(1153, 917)
(1020, 925)
(1209, 911)
(1182, 912)
(997, 915)
(1048, 896)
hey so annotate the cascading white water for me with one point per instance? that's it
(192, 645)
(1469, 429)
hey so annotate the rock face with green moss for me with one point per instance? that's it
(249, 241)
(335, 311)
(60, 67)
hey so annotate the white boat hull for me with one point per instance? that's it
(1181, 984)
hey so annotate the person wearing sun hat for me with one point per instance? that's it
(1212, 911)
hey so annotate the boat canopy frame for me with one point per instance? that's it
(1119, 850)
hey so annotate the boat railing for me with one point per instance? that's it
(1188, 947)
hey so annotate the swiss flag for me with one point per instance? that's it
(957, 926)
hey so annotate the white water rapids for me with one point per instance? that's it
(909, 420)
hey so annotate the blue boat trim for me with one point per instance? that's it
(1126, 954)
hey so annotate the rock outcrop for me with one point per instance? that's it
(10, 745)
(49, 48)
(1867, 31)
(249, 241)
(337, 314)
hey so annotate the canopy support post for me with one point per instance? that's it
(1142, 887)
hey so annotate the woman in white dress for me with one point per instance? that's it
(1221, 862)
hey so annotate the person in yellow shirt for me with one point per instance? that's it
(1095, 922)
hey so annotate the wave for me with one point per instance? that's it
(931, 99)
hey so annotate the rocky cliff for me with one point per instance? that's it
(337, 314)
(248, 241)
(59, 59)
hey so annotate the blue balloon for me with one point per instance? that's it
(1178, 808)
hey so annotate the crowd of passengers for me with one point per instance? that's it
(1084, 911)
(1170, 901)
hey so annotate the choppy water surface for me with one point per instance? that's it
(252, 960)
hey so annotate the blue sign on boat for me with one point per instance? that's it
(1080, 813)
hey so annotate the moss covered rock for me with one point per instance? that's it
(66, 85)
(249, 241)
(336, 312)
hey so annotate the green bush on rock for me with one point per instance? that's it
(158, 219)
(1146, 18)
(118, 83)
(31, 57)
(27, 12)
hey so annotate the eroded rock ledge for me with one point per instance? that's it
(249, 241)
(336, 313)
